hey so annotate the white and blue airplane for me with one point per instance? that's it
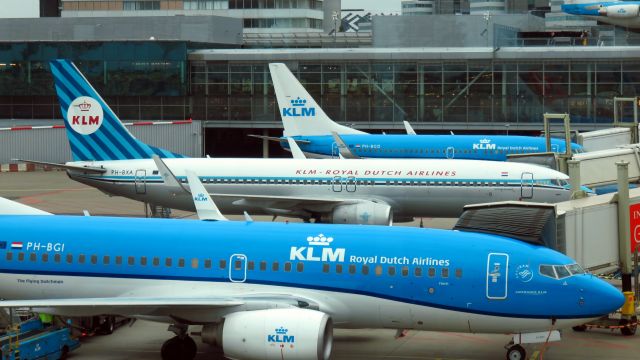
(307, 123)
(108, 157)
(620, 13)
(276, 291)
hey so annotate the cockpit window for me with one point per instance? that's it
(547, 270)
(560, 271)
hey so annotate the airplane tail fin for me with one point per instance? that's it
(93, 129)
(301, 115)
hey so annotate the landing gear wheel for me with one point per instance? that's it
(516, 352)
(109, 325)
(629, 330)
(580, 328)
(179, 348)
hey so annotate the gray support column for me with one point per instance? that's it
(574, 179)
(265, 144)
(624, 233)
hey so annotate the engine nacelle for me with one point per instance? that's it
(275, 334)
(620, 11)
(363, 213)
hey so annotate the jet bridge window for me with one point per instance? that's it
(9, 256)
(45, 257)
(143, 260)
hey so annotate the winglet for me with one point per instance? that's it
(345, 153)
(205, 207)
(295, 149)
(167, 175)
(247, 217)
(8, 207)
(409, 128)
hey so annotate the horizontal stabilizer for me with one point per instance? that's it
(278, 139)
(345, 153)
(86, 169)
(8, 207)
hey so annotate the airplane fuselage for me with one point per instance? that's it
(620, 13)
(413, 188)
(387, 277)
(471, 147)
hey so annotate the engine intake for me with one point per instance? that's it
(363, 213)
(275, 334)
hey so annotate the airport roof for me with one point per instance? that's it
(423, 53)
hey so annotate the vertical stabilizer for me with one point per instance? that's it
(301, 115)
(93, 129)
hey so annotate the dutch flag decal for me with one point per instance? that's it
(16, 245)
(504, 174)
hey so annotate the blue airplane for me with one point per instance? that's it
(277, 290)
(620, 13)
(306, 122)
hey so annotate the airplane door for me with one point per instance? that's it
(141, 181)
(526, 185)
(238, 268)
(336, 184)
(451, 151)
(555, 148)
(335, 151)
(350, 186)
(497, 272)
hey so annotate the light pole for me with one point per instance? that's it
(334, 15)
(487, 19)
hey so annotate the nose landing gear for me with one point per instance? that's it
(516, 352)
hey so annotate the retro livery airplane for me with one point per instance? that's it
(620, 13)
(305, 121)
(108, 157)
(277, 290)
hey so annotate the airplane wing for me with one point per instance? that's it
(86, 169)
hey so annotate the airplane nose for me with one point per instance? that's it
(607, 298)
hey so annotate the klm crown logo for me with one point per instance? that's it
(319, 240)
(281, 336)
(200, 197)
(298, 109)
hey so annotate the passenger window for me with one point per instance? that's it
(105, 260)
(378, 270)
(194, 263)
(69, 258)
(275, 266)
(338, 268)
(432, 272)
(181, 262)
(352, 269)
(263, 265)
(458, 273)
(287, 266)
(417, 272)
(94, 259)
(445, 273)
(45, 257)
(57, 258)
(223, 264)
(156, 261)
(118, 260)
(81, 259)
(131, 260)
(143, 260)
(251, 265)
(547, 270)
(405, 271)
(207, 263)
(325, 268)
(365, 269)
(167, 262)
(391, 270)
(300, 267)
(9, 256)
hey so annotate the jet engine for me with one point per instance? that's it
(364, 213)
(274, 334)
(620, 11)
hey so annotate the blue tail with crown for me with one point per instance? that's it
(93, 129)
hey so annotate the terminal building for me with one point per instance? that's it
(484, 76)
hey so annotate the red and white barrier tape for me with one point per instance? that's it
(139, 123)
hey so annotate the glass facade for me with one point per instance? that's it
(430, 92)
(140, 80)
